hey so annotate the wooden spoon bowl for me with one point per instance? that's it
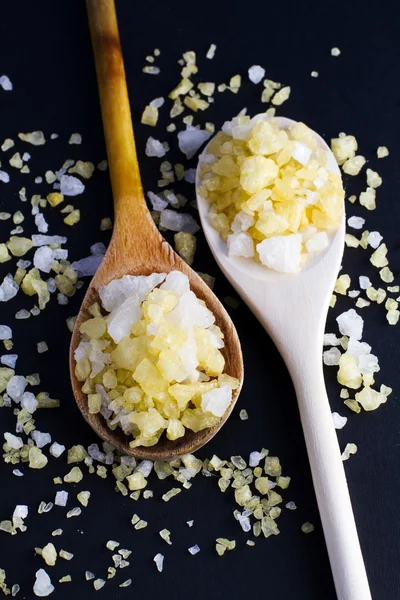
(137, 247)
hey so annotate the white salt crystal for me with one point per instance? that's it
(217, 401)
(338, 421)
(71, 186)
(176, 282)
(157, 202)
(157, 102)
(44, 240)
(61, 498)
(43, 586)
(154, 148)
(356, 348)
(75, 138)
(368, 363)
(191, 139)
(5, 83)
(29, 402)
(194, 549)
(22, 314)
(330, 339)
(353, 293)
(211, 51)
(86, 267)
(281, 253)
(4, 177)
(255, 458)
(41, 223)
(60, 254)
(145, 467)
(56, 449)
(24, 264)
(13, 441)
(117, 291)
(175, 221)
(365, 282)
(240, 244)
(172, 199)
(26, 156)
(301, 153)
(331, 357)
(41, 439)
(256, 73)
(16, 387)
(21, 511)
(241, 222)
(335, 52)
(5, 332)
(356, 222)
(98, 249)
(9, 360)
(190, 175)
(190, 523)
(374, 239)
(350, 323)
(43, 259)
(159, 560)
(8, 288)
(18, 473)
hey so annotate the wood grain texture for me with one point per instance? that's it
(137, 247)
(293, 308)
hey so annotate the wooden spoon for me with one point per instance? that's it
(137, 247)
(293, 309)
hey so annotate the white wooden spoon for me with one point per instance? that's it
(293, 309)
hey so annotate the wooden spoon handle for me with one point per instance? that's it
(130, 206)
(328, 474)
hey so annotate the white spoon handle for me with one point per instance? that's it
(328, 476)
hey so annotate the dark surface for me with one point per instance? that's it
(45, 49)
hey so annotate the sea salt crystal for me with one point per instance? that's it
(194, 549)
(71, 186)
(301, 153)
(43, 586)
(374, 239)
(41, 439)
(5, 332)
(331, 357)
(175, 221)
(338, 421)
(145, 467)
(45, 240)
(61, 498)
(5, 83)
(256, 73)
(348, 451)
(16, 387)
(86, 267)
(29, 402)
(9, 360)
(353, 293)
(330, 339)
(350, 323)
(255, 458)
(281, 253)
(21, 511)
(56, 449)
(41, 223)
(117, 291)
(98, 249)
(190, 175)
(8, 288)
(22, 314)
(75, 138)
(18, 473)
(356, 222)
(157, 102)
(365, 282)
(356, 348)
(13, 441)
(241, 222)
(154, 148)
(191, 139)
(43, 259)
(240, 244)
(157, 202)
(368, 363)
(217, 401)
(159, 560)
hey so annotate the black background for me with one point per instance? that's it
(45, 49)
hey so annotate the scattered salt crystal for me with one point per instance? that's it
(365, 282)
(22, 314)
(190, 175)
(71, 186)
(314, 73)
(191, 139)
(75, 138)
(211, 51)
(338, 421)
(5, 83)
(98, 249)
(43, 586)
(157, 202)
(16, 387)
(56, 449)
(255, 458)
(75, 512)
(44, 240)
(29, 402)
(23, 264)
(159, 560)
(194, 549)
(86, 267)
(41, 223)
(9, 360)
(41, 439)
(190, 523)
(43, 259)
(217, 401)
(157, 102)
(175, 221)
(374, 239)
(240, 244)
(13, 441)
(154, 148)
(350, 449)
(8, 288)
(356, 222)
(335, 52)
(256, 73)
(61, 498)
(350, 323)
(145, 467)
(18, 473)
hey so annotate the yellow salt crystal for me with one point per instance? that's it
(150, 116)
(342, 284)
(73, 217)
(55, 198)
(281, 96)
